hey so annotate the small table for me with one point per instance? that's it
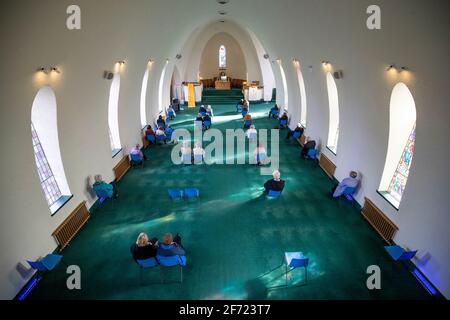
(223, 85)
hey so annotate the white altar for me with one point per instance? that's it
(254, 93)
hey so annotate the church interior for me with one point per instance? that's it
(225, 150)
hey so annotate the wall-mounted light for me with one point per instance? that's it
(167, 60)
(179, 56)
(42, 69)
(404, 69)
(326, 63)
(390, 67)
(55, 69)
(121, 62)
(266, 56)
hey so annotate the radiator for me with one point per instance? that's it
(121, 168)
(327, 166)
(385, 227)
(71, 226)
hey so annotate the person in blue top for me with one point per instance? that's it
(101, 187)
(171, 247)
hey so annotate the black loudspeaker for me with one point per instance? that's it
(108, 75)
(338, 74)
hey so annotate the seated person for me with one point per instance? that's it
(245, 107)
(199, 151)
(209, 111)
(207, 117)
(275, 184)
(171, 113)
(186, 151)
(137, 150)
(149, 132)
(350, 182)
(309, 144)
(299, 130)
(247, 121)
(274, 112)
(252, 133)
(199, 117)
(169, 131)
(101, 187)
(239, 105)
(160, 122)
(202, 110)
(284, 116)
(161, 134)
(144, 249)
(260, 154)
(171, 247)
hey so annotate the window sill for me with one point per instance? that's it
(390, 199)
(331, 150)
(58, 205)
(115, 152)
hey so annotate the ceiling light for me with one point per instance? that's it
(223, 2)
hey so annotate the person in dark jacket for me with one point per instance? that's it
(309, 145)
(171, 247)
(275, 184)
(144, 249)
(299, 130)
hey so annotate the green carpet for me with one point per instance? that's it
(232, 234)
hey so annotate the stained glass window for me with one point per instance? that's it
(222, 57)
(46, 177)
(398, 182)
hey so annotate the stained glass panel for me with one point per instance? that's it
(222, 57)
(398, 182)
(46, 177)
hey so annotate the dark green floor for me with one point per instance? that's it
(232, 234)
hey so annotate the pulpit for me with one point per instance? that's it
(223, 85)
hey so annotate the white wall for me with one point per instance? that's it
(414, 33)
(209, 63)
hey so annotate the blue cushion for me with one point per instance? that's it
(151, 138)
(148, 263)
(171, 261)
(274, 194)
(312, 153)
(192, 193)
(175, 193)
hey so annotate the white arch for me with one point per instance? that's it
(402, 119)
(143, 108)
(285, 86)
(301, 84)
(45, 122)
(333, 101)
(113, 113)
(161, 96)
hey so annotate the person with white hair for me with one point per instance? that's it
(186, 153)
(310, 144)
(275, 184)
(251, 133)
(210, 111)
(144, 248)
(351, 181)
(199, 153)
(100, 187)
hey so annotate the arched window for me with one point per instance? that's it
(333, 102)
(301, 84)
(113, 115)
(144, 97)
(161, 87)
(222, 57)
(47, 155)
(402, 137)
(285, 87)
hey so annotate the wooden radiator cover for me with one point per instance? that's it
(71, 226)
(121, 168)
(327, 166)
(379, 221)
